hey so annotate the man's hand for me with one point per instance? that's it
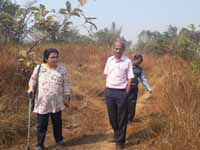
(67, 99)
(128, 89)
(150, 91)
(127, 93)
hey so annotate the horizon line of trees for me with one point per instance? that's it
(184, 42)
(38, 24)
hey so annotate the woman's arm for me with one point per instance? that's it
(33, 80)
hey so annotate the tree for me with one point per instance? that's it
(38, 23)
(156, 42)
(107, 36)
(188, 43)
(7, 21)
(185, 44)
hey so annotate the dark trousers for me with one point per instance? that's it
(117, 105)
(42, 121)
(132, 101)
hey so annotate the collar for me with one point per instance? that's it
(122, 58)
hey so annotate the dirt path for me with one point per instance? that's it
(86, 127)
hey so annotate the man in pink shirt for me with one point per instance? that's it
(118, 71)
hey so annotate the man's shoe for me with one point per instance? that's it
(39, 148)
(61, 143)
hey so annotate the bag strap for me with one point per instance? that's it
(38, 72)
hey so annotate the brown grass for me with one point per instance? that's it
(12, 97)
(180, 94)
(85, 76)
(175, 89)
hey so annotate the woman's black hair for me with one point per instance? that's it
(138, 56)
(47, 52)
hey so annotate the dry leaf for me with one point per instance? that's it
(82, 2)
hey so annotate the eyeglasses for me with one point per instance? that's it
(119, 49)
(53, 57)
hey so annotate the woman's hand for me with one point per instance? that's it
(30, 91)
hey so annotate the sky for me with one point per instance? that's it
(136, 15)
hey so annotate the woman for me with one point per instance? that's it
(51, 96)
(138, 74)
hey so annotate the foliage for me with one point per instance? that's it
(107, 36)
(156, 42)
(33, 23)
(185, 44)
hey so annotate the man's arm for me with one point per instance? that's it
(130, 76)
(144, 82)
(106, 68)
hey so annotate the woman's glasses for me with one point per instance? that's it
(53, 57)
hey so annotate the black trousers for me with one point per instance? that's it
(132, 101)
(42, 124)
(117, 105)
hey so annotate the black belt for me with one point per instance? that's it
(116, 89)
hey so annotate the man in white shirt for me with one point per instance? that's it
(118, 71)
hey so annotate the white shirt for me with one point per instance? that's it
(52, 87)
(118, 72)
(144, 82)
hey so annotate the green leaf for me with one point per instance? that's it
(77, 10)
(33, 9)
(75, 14)
(69, 7)
(42, 7)
(63, 11)
(49, 22)
(19, 12)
